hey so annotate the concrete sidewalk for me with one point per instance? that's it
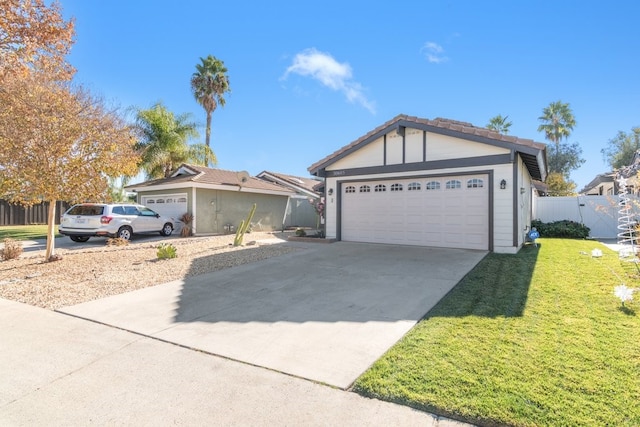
(324, 313)
(61, 370)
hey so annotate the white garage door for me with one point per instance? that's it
(170, 205)
(448, 212)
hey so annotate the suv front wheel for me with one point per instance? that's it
(125, 233)
(79, 239)
(167, 229)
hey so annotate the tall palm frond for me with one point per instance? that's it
(499, 124)
(558, 122)
(164, 141)
(209, 84)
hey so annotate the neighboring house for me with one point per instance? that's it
(602, 185)
(300, 211)
(606, 184)
(440, 183)
(218, 199)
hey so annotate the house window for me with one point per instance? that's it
(365, 189)
(380, 188)
(453, 184)
(169, 200)
(414, 186)
(475, 183)
(396, 187)
(350, 189)
(182, 200)
(432, 185)
(150, 201)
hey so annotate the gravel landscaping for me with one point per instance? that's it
(100, 271)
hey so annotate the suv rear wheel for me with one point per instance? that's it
(125, 233)
(79, 239)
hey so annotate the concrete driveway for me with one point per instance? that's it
(323, 312)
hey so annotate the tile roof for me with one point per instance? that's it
(438, 125)
(295, 181)
(205, 175)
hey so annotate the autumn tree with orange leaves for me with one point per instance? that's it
(34, 37)
(57, 141)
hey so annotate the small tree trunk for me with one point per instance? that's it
(51, 230)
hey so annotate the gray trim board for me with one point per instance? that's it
(384, 149)
(404, 148)
(338, 211)
(514, 199)
(497, 159)
(424, 146)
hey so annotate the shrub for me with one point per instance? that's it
(300, 232)
(12, 249)
(167, 251)
(565, 229)
(187, 220)
(117, 241)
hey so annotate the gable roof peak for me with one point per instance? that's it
(447, 127)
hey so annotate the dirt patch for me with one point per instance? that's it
(97, 272)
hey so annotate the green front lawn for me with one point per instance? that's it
(24, 232)
(533, 339)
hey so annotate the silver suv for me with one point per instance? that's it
(112, 220)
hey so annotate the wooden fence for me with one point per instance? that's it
(36, 214)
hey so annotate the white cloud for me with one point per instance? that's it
(331, 73)
(434, 53)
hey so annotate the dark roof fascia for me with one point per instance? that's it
(161, 181)
(599, 179)
(285, 183)
(536, 152)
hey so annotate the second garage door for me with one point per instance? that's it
(448, 212)
(171, 206)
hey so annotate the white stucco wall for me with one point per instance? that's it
(369, 155)
(441, 147)
(503, 209)
(413, 145)
(525, 200)
(394, 149)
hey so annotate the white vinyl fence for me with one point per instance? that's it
(599, 213)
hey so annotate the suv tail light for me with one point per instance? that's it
(105, 219)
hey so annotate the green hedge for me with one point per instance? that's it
(564, 229)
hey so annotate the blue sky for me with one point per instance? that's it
(310, 77)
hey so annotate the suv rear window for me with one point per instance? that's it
(86, 210)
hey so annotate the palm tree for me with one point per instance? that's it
(499, 124)
(209, 84)
(557, 122)
(164, 142)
